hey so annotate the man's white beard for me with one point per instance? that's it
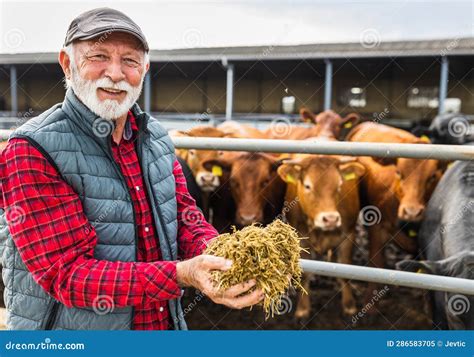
(109, 109)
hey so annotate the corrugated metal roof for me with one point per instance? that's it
(448, 47)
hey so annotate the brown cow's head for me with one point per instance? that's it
(328, 122)
(208, 181)
(318, 181)
(253, 177)
(416, 179)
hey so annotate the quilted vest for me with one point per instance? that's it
(78, 144)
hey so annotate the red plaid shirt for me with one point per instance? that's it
(56, 241)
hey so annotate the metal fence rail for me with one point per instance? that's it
(391, 277)
(415, 151)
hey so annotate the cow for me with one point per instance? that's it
(217, 204)
(323, 204)
(239, 130)
(327, 124)
(255, 186)
(446, 241)
(393, 190)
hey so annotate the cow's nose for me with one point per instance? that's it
(412, 213)
(328, 220)
(247, 219)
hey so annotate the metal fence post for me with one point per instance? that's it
(443, 84)
(13, 90)
(328, 85)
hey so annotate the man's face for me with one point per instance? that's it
(106, 73)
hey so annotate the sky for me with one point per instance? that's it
(40, 26)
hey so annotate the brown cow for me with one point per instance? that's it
(238, 130)
(218, 206)
(395, 189)
(206, 180)
(256, 188)
(328, 124)
(322, 192)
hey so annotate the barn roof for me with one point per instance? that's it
(425, 48)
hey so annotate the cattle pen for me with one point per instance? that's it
(338, 270)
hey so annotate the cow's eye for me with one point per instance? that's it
(192, 152)
(220, 153)
(307, 187)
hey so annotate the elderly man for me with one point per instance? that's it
(99, 231)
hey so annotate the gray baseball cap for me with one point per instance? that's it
(96, 22)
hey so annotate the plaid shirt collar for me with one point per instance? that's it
(130, 127)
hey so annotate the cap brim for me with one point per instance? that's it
(106, 30)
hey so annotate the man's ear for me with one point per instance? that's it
(307, 115)
(351, 170)
(419, 266)
(289, 172)
(65, 63)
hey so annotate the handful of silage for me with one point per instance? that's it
(270, 255)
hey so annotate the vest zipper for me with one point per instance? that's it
(119, 171)
(52, 316)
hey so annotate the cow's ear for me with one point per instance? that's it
(289, 172)
(307, 115)
(217, 165)
(182, 153)
(351, 170)
(350, 120)
(419, 266)
(385, 161)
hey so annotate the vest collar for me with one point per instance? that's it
(100, 129)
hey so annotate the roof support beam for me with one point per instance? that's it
(328, 85)
(13, 91)
(229, 102)
(443, 84)
(147, 92)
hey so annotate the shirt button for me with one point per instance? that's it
(137, 188)
(147, 229)
(162, 308)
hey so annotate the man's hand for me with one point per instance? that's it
(196, 272)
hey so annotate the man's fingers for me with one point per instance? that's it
(246, 300)
(238, 289)
(215, 263)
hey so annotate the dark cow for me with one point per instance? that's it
(446, 240)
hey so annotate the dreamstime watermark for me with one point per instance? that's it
(280, 127)
(287, 206)
(458, 127)
(283, 306)
(451, 46)
(103, 305)
(369, 38)
(192, 216)
(14, 38)
(22, 118)
(193, 38)
(458, 304)
(43, 345)
(370, 215)
(102, 127)
(467, 208)
(378, 117)
(15, 214)
(377, 295)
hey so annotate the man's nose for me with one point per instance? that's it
(114, 71)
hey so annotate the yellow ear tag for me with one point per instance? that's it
(412, 233)
(425, 139)
(216, 170)
(450, 164)
(290, 179)
(350, 176)
(419, 271)
(348, 124)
